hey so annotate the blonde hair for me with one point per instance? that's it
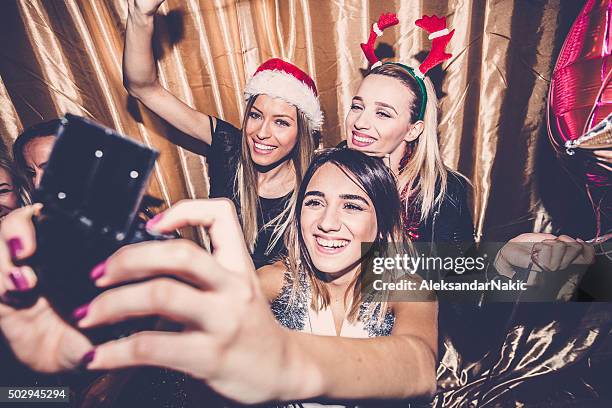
(246, 182)
(423, 172)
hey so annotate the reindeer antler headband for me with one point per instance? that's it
(438, 33)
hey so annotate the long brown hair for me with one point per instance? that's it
(246, 181)
(372, 175)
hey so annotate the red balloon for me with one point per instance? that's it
(580, 95)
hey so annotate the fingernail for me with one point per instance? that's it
(98, 271)
(20, 282)
(580, 240)
(15, 247)
(80, 312)
(153, 221)
(88, 357)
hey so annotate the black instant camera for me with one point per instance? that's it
(92, 193)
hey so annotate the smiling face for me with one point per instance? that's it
(379, 120)
(336, 217)
(271, 130)
(36, 154)
(8, 196)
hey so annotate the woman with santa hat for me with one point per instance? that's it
(258, 167)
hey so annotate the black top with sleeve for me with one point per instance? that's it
(224, 155)
(449, 222)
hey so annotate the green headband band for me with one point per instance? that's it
(419, 81)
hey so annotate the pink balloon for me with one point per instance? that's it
(581, 91)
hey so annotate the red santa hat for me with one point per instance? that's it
(281, 79)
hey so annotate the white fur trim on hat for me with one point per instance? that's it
(279, 84)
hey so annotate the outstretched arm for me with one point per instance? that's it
(398, 366)
(231, 340)
(402, 365)
(140, 74)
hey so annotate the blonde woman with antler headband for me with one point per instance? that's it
(394, 114)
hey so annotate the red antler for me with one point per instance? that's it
(384, 21)
(440, 36)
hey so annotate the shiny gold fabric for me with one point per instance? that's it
(65, 56)
(61, 56)
(527, 355)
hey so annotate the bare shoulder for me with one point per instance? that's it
(271, 279)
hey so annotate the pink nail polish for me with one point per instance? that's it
(80, 312)
(15, 247)
(153, 221)
(98, 271)
(88, 357)
(20, 282)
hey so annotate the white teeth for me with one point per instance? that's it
(332, 243)
(264, 147)
(363, 139)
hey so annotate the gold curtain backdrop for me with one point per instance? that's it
(62, 56)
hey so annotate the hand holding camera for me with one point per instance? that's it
(215, 297)
(39, 337)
